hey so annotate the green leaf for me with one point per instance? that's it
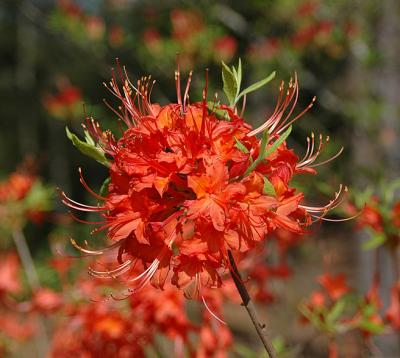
(256, 86)
(279, 345)
(376, 240)
(87, 149)
(268, 188)
(389, 190)
(238, 76)
(369, 309)
(104, 187)
(278, 142)
(313, 317)
(363, 197)
(230, 83)
(39, 197)
(374, 328)
(89, 140)
(239, 145)
(261, 155)
(245, 352)
(336, 311)
(219, 113)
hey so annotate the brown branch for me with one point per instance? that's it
(250, 308)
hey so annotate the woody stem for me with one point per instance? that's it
(260, 327)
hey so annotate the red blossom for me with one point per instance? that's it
(265, 49)
(15, 328)
(95, 27)
(185, 24)
(305, 35)
(181, 194)
(9, 274)
(116, 35)
(63, 103)
(108, 329)
(70, 8)
(317, 299)
(325, 27)
(392, 314)
(61, 264)
(96, 329)
(152, 39)
(396, 215)
(16, 187)
(307, 8)
(371, 217)
(225, 48)
(46, 300)
(335, 285)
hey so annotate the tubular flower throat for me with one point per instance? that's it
(186, 185)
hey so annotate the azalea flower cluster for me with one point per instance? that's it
(380, 217)
(134, 326)
(334, 311)
(382, 220)
(191, 181)
(110, 328)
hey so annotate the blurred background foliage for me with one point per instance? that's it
(56, 54)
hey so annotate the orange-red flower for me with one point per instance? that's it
(371, 217)
(225, 48)
(187, 186)
(393, 312)
(16, 186)
(9, 271)
(335, 285)
(45, 300)
(65, 103)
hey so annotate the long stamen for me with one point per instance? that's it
(85, 221)
(328, 160)
(211, 312)
(335, 202)
(311, 155)
(120, 270)
(277, 123)
(94, 252)
(186, 94)
(83, 182)
(178, 81)
(78, 206)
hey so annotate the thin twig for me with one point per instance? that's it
(26, 259)
(251, 309)
(34, 283)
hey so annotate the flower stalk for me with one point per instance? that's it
(26, 259)
(260, 327)
(34, 283)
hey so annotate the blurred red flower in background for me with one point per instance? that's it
(185, 24)
(335, 285)
(225, 48)
(65, 103)
(16, 186)
(9, 274)
(392, 314)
